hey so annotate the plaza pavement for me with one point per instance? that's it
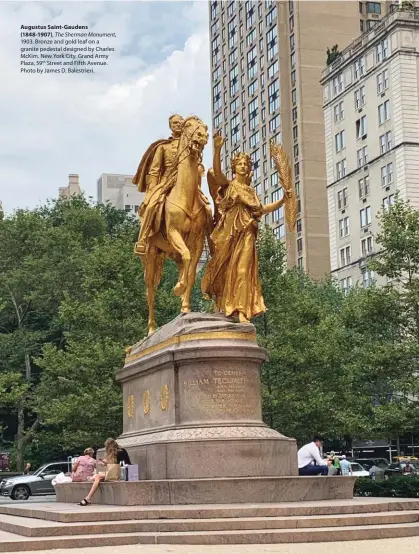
(386, 546)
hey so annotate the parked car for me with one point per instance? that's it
(4, 461)
(358, 470)
(397, 468)
(367, 463)
(37, 484)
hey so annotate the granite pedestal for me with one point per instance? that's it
(192, 404)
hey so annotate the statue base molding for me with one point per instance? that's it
(192, 404)
(252, 490)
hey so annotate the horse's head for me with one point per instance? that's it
(194, 135)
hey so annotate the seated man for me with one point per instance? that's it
(309, 455)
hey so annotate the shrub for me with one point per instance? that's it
(396, 487)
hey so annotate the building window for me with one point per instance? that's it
(270, 17)
(216, 95)
(341, 169)
(374, 7)
(296, 170)
(234, 80)
(294, 96)
(293, 77)
(338, 112)
(252, 64)
(364, 186)
(295, 133)
(382, 81)
(291, 23)
(362, 156)
(273, 93)
(235, 129)
(344, 227)
(387, 174)
(361, 127)
(252, 88)
(388, 201)
(230, 9)
(296, 150)
(342, 199)
(274, 182)
(338, 84)
(292, 42)
(365, 216)
(367, 278)
(253, 114)
(235, 105)
(366, 246)
(385, 142)
(218, 119)
(254, 139)
(255, 156)
(272, 43)
(340, 141)
(384, 112)
(216, 74)
(274, 124)
(299, 226)
(250, 14)
(381, 51)
(273, 69)
(232, 33)
(359, 67)
(360, 98)
(345, 256)
(278, 214)
(214, 10)
(216, 52)
(251, 37)
(346, 284)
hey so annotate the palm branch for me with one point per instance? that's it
(283, 168)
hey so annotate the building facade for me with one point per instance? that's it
(119, 191)
(266, 61)
(72, 189)
(371, 112)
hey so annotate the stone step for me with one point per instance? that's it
(10, 542)
(68, 513)
(30, 527)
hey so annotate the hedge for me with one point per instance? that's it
(396, 487)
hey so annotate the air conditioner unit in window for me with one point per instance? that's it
(364, 200)
(387, 188)
(383, 94)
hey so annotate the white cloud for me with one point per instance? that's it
(55, 125)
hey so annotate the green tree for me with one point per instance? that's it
(43, 257)
(332, 54)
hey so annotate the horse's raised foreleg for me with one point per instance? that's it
(176, 240)
(196, 252)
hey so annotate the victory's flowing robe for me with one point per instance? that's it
(232, 274)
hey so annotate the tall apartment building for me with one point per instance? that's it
(371, 111)
(119, 191)
(267, 60)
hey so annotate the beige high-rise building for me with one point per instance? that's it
(371, 111)
(267, 60)
(119, 191)
(72, 189)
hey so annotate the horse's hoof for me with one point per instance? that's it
(179, 289)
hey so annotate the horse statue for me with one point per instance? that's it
(175, 215)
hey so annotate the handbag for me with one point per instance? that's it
(113, 472)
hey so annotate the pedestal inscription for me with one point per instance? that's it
(220, 394)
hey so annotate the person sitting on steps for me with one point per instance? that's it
(114, 455)
(309, 459)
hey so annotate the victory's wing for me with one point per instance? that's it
(285, 177)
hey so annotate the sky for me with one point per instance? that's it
(54, 125)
